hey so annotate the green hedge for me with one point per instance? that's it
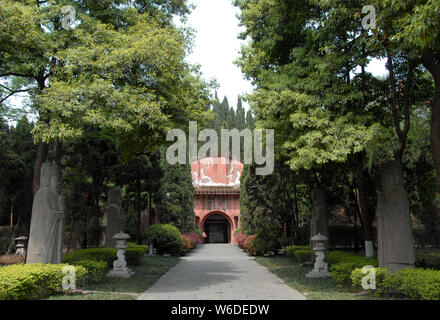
(97, 254)
(33, 281)
(300, 253)
(341, 272)
(133, 255)
(96, 270)
(166, 238)
(336, 256)
(357, 276)
(420, 284)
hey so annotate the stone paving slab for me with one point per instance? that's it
(219, 272)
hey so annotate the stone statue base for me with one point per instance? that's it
(120, 273)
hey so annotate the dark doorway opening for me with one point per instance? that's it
(217, 229)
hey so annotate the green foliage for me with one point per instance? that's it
(290, 250)
(414, 283)
(166, 238)
(33, 281)
(336, 256)
(96, 270)
(341, 270)
(380, 275)
(420, 284)
(269, 201)
(304, 255)
(133, 255)
(97, 254)
(300, 253)
(267, 240)
(175, 197)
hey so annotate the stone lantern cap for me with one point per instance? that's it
(121, 236)
(319, 237)
(22, 238)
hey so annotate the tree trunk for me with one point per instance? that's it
(433, 67)
(435, 133)
(363, 208)
(139, 218)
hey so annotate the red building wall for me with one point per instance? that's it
(217, 191)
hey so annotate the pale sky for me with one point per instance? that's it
(216, 47)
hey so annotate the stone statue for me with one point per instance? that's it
(114, 218)
(319, 222)
(47, 222)
(395, 240)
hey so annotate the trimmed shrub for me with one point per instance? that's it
(414, 283)
(97, 254)
(336, 256)
(33, 281)
(241, 239)
(166, 238)
(304, 255)
(194, 238)
(341, 271)
(267, 240)
(133, 255)
(249, 245)
(357, 276)
(300, 253)
(186, 245)
(96, 270)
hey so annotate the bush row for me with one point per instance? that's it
(418, 283)
(133, 255)
(190, 241)
(300, 253)
(33, 281)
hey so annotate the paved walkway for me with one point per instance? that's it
(219, 272)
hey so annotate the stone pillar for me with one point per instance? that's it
(114, 218)
(395, 240)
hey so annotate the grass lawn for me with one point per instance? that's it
(313, 289)
(145, 275)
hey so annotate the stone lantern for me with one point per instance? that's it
(320, 269)
(21, 246)
(120, 269)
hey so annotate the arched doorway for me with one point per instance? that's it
(217, 229)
